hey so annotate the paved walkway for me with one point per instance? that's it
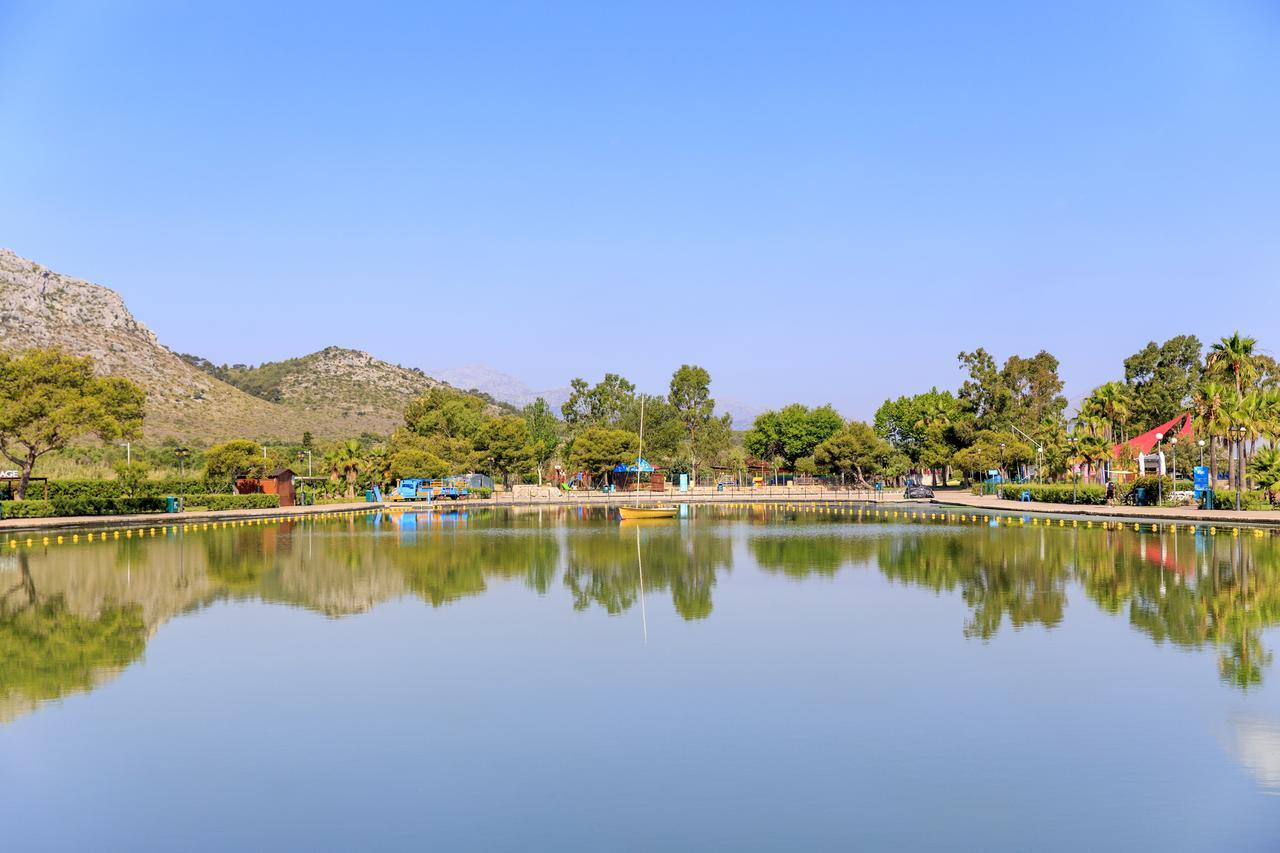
(1244, 518)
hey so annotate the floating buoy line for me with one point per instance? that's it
(853, 512)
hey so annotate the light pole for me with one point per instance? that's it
(182, 454)
(1075, 479)
(1002, 471)
(1160, 470)
(1201, 443)
(1237, 433)
(308, 452)
(1174, 443)
(128, 452)
(1040, 463)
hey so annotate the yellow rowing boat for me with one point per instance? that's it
(633, 513)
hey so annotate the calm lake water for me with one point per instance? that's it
(743, 679)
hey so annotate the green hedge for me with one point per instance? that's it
(1086, 493)
(115, 489)
(80, 506)
(129, 506)
(26, 509)
(221, 502)
(1225, 499)
(1092, 493)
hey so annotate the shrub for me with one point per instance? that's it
(480, 492)
(26, 509)
(1085, 493)
(115, 488)
(106, 506)
(1154, 487)
(81, 506)
(72, 489)
(221, 502)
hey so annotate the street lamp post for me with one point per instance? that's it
(1201, 443)
(1173, 442)
(1075, 478)
(128, 452)
(308, 452)
(1237, 433)
(1002, 471)
(1160, 471)
(182, 454)
(1040, 462)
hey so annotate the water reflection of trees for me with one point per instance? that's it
(71, 616)
(999, 574)
(602, 565)
(811, 552)
(48, 651)
(1189, 590)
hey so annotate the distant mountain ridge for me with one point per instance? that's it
(500, 386)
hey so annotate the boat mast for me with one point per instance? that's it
(640, 456)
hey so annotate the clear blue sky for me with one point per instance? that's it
(823, 202)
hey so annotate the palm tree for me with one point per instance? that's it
(1234, 357)
(1209, 401)
(1243, 414)
(346, 461)
(1111, 402)
(1093, 449)
(378, 465)
(935, 416)
(1265, 468)
(1269, 406)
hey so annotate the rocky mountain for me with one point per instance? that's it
(357, 381)
(332, 393)
(744, 413)
(502, 387)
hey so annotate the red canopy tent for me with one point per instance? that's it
(1145, 443)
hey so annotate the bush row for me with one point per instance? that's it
(1086, 493)
(129, 506)
(1093, 494)
(220, 502)
(1256, 499)
(115, 489)
(80, 506)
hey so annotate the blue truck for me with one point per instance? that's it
(422, 489)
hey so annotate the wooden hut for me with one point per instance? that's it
(280, 482)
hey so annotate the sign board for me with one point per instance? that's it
(684, 482)
(992, 472)
(1200, 478)
(10, 475)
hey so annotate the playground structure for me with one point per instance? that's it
(423, 489)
